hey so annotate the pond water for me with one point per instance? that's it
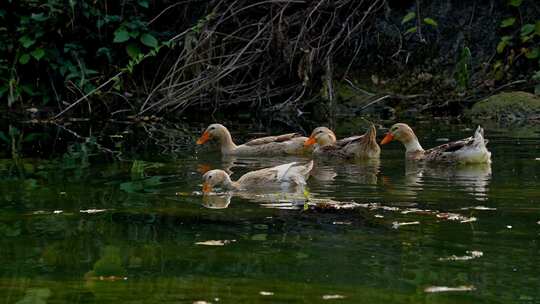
(81, 227)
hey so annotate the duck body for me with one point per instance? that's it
(285, 144)
(471, 150)
(354, 147)
(290, 175)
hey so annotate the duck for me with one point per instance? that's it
(285, 144)
(355, 147)
(290, 175)
(470, 150)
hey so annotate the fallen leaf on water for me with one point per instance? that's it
(396, 225)
(202, 302)
(509, 226)
(341, 223)
(378, 216)
(478, 208)
(538, 222)
(468, 220)
(91, 211)
(266, 293)
(538, 158)
(447, 289)
(470, 255)
(57, 211)
(215, 242)
(333, 297)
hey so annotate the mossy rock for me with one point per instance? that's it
(508, 107)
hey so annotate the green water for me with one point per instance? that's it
(85, 227)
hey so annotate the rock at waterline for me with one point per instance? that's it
(508, 107)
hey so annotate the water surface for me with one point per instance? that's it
(84, 227)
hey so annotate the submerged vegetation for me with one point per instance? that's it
(140, 57)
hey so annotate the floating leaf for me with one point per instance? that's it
(38, 53)
(508, 22)
(121, 35)
(408, 17)
(24, 59)
(149, 40)
(430, 22)
(527, 29)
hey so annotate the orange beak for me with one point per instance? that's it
(388, 138)
(204, 138)
(310, 141)
(206, 187)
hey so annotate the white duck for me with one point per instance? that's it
(466, 151)
(288, 175)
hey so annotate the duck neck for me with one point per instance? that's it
(227, 144)
(412, 144)
(229, 184)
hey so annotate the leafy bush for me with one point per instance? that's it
(57, 49)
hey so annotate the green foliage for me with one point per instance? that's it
(463, 67)
(519, 41)
(410, 16)
(51, 50)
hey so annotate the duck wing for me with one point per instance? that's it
(272, 139)
(458, 149)
(345, 141)
(290, 172)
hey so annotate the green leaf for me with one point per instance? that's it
(39, 17)
(430, 22)
(24, 59)
(411, 30)
(121, 35)
(526, 29)
(506, 38)
(149, 40)
(501, 46)
(143, 3)
(508, 22)
(515, 3)
(38, 53)
(408, 17)
(26, 41)
(133, 50)
(533, 54)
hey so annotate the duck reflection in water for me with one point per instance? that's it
(474, 179)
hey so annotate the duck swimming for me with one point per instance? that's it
(285, 144)
(354, 147)
(466, 151)
(288, 175)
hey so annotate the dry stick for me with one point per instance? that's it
(88, 94)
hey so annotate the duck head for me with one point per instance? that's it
(215, 178)
(404, 134)
(322, 136)
(217, 131)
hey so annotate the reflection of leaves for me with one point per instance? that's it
(10, 230)
(141, 184)
(138, 167)
(35, 296)
(110, 263)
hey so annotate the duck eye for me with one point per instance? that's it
(209, 176)
(211, 128)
